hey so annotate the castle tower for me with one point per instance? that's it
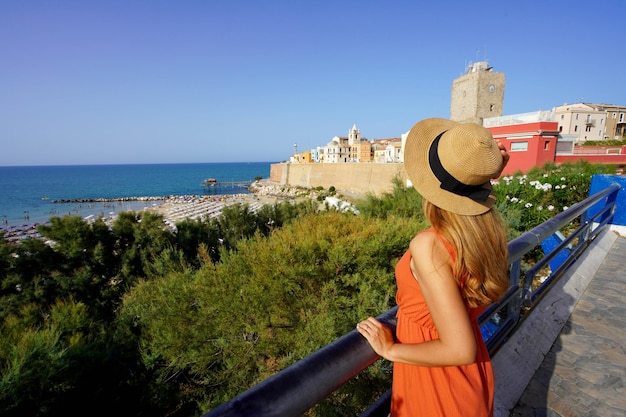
(477, 94)
(354, 136)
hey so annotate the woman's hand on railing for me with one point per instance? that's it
(377, 334)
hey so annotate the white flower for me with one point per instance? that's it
(514, 200)
(528, 205)
(550, 207)
(562, 178)
(539, 208)
(565, 208)
(545, 175)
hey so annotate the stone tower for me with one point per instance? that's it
(477, 94)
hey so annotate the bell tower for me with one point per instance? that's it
(354, 136)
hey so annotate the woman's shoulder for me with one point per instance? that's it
(428, 246)
(424, 239)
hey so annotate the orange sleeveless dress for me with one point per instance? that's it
(445, 391)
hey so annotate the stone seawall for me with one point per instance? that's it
(361, 178)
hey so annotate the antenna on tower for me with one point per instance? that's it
(295, 149)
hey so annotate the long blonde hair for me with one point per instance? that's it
(480, 244)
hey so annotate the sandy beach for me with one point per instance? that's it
(177, 208)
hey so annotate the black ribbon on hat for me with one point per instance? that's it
(449, 183)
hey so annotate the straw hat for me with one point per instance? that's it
(451, 164)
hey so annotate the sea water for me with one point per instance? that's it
(30, 194)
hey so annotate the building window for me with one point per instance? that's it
(588, 129)
(546, 145)
(576, 128)
(519, 146)
(491, 107)
(562, 116)
(560, 129)
(615, 115)
(576, 117)
(621, 117)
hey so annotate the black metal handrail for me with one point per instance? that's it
(296, 389)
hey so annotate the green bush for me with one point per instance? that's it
(219, 330)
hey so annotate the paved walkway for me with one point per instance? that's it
(584, 374)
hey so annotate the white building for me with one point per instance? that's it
(582, 121)
(317, 154)
(392, 152)
(338, 150)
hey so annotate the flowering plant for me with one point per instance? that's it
(527, 200)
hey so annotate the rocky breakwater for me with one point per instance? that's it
(110, 200)
(267, 189)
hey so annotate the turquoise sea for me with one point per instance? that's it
(27, 193)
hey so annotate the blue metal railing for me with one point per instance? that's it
(296, 389)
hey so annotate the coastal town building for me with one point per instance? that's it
(477, 94)
(615, 122)
(317, 154)
(581, 121)
(360, 148)
(378, 151)
(301, 158)
(336, 151)
(387, 150)
(592, 122)
(392, 152)
(361, 152)
(351, 148)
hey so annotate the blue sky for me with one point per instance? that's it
(117, 82)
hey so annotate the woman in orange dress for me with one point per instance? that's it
(450, 273)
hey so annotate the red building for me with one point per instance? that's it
(529, 138)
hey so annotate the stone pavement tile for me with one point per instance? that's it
(564, 408)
